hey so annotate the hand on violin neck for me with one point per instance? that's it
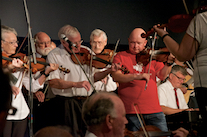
(160, 30)
(51, 68)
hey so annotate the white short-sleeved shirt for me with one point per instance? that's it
(19, 102)
(61, 57)
(166, 96)
(109, 86)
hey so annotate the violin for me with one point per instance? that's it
(152, 131)
(160, 55)
(99, 61)
(40, 66)
(177, 24)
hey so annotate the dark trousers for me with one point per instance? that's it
(201, 97)
(65, 111)
(15, 128)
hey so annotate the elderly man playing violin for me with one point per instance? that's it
(43, 45)
(73, 88)
(16, 124)
(137, 97)
(98, 41)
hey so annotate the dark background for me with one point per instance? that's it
(116, 17)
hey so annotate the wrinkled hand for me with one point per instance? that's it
(82, 84)
(115, 67)
(144, 76)
(40, 96)
(181, 132)
(17, 63)
(183, 89)
(105, 80)
(15, 90)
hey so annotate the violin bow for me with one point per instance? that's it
(83, 71)
(153, 46)
(140, 121)
(117, 43)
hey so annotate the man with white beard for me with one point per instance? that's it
(43, 45)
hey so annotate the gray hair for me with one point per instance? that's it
(94, 111)
(68, 30)
(98, 33)
(6, 29)
(178, 68)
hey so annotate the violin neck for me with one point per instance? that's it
(43, 63)
(5, 58)
(101, 60)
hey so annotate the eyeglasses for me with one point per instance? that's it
(12, 43)
(96, 42)
(179, 77)
(76, 43)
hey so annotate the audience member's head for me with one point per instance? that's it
(104, 114)
(53, 131)
(98, 40)
(42, 43)
(5, 99)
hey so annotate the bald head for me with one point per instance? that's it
(41, 36)
(53, 131)
(136, 42)
(136, 33)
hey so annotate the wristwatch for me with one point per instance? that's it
(43, 73)
(168, 64)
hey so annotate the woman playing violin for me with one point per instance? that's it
(132, 86)
(16, 124)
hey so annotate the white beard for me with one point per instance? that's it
(45, 51)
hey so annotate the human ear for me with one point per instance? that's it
(109, 121)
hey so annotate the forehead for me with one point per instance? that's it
(98, 38)
(43, 37)
(9, 36)
(75, 38)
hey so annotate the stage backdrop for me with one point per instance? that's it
(116, 17)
